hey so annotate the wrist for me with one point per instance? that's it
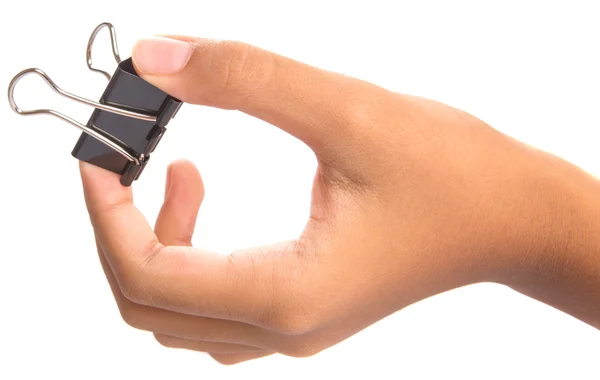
(560, 264)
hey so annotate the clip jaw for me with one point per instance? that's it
(127, 124)
(127, 90)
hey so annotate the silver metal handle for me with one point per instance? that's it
(111, 142)
(113, 42)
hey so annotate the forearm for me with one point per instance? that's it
(563, 269)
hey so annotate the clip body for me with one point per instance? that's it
(127, 123)
(128, 91)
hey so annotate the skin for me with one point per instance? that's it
(411, 198)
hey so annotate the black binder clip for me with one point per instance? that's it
(127, 123)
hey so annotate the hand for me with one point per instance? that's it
(411, 198)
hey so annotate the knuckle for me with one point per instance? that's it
(133, 316)
(112, 201)
(302, 349)
(166, 340)
(354, 119)
(293, 308)
(292, 322)
(132, 288)
(237, 63)
(183, 239)
(224, 359)
(356, 113)
(132, 276)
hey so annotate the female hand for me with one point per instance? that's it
(411, 198)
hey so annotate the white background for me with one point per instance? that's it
(529, 68)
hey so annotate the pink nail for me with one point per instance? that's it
(161, 56)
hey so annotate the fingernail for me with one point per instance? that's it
(161, 55)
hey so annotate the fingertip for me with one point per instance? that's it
(185, 165)
(184, 168)
(185, 181)
(161, 56)
(184, 194)
(101, 185)
(94, 171)
(85, 168)
(92, 175)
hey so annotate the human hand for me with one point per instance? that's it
(411, 198)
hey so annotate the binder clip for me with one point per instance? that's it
(127, 123)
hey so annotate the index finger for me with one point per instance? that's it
(180, 279)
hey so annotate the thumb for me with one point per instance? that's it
(314, 105)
